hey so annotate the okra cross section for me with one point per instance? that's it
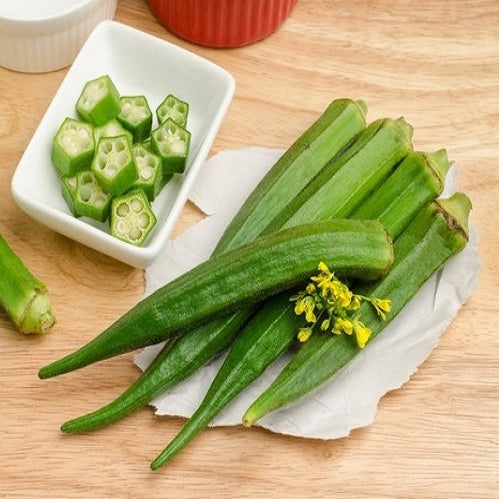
(90, 199)
(112, 128)
(149, 170)
(171, 143)
(136, 116)
(113, 164)
(73, 147)
(132, 218)
(174, 108)
(99, 101)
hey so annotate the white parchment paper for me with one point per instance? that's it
(351, 398)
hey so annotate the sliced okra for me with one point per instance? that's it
(91, 200)
(174, 108)
(171, 143)
(112, 128)
(68, 189)
(99, 101)
(132, 218)
(149, 170)
(136, 116)
(73, 147)
(113, 164)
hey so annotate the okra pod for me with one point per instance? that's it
(242, 276)
(207, 341)
(272, 329)
(436, 234)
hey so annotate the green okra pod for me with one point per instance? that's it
(243, 276)
(273, 327)
(436, 234)
(328, 136)
(205, 342)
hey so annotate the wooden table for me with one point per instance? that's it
(437, 65)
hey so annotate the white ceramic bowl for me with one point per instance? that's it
(37, 36)
(137, 63)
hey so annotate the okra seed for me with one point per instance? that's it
(146, 172)
(86, 178)
(119, 146)
(101, 162)
(110, 170)
(136, 205)
(122, 226)
(144, 220)
(122, 209)
(178, 147)
(135, 233)
(99, 200)
(85, 193)
(122, 158)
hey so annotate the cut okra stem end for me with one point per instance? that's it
(39, 317)
(132, 218)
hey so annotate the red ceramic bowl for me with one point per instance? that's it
(222, 23)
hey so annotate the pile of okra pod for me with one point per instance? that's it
(352, 195)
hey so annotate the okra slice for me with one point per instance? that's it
(174, 108)
(113, 164)
(132, 218)
(73, 147)
(136, 116)
(99, 101)
(112, 128)
(149, 170)
(91, 200)
(68, 189)
(171, 143)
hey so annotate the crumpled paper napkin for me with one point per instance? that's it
(351, 398)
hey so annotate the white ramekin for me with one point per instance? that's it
(41, 36)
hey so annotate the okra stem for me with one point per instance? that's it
(436, 234)
(24, 297)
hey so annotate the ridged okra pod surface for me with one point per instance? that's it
(436, 234)
(245, 275)
(373, 155)
(272, 329)
(417, 180)
(332, 132)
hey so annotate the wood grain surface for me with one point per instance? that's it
(436, 64)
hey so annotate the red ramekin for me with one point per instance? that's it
(222, 23)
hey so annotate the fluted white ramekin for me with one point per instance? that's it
(38, 36)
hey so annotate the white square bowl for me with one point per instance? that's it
(138, 64)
